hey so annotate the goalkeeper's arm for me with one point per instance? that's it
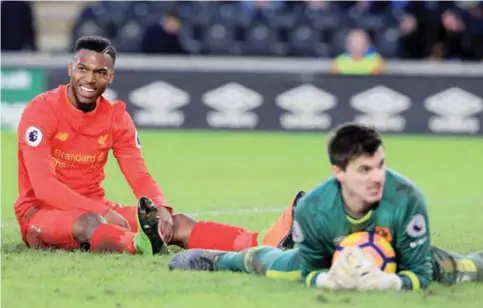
(413, 250)
(314, 257)
(414, 245)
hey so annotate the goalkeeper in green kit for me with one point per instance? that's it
(362, 195)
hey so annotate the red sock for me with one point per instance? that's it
(112, 238)
(212, 235)
(129, 213)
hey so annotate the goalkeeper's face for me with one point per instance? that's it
(363, 179)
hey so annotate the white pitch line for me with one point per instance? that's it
(248, 211)
(264, 210)
(229, 212)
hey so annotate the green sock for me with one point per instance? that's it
(232, 261)
(252, 260)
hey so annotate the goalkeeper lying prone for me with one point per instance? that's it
(361, 196)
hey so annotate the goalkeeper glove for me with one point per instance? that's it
(372, 278)
(342, 274)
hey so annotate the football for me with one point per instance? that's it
(374, 245)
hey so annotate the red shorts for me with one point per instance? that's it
(52, 228)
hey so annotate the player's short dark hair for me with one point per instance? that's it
(351, 140)
(98, 44)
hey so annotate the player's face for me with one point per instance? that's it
(364, 177)
(90, 72)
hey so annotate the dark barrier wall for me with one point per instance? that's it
(296, 102)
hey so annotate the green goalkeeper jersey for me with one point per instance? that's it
(320, 223)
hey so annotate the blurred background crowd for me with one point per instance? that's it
(376, 30)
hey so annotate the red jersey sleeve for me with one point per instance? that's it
(127, 151)
(35, 132)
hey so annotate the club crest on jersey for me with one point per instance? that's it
(384, 232)
(102, 139)
(33, 136)
(297, 235)
(417, 226)
(62, 136)
(137, 140)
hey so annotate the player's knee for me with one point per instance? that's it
(182, 226)
(84, 227)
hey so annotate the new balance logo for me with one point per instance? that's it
(306, 104)
(233, 104)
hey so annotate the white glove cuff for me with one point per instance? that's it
(393, 282)
(322, 280)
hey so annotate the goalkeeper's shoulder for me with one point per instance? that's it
(321, 199)
(402, 191)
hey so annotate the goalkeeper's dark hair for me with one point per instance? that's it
(98, 44)
(351, 140)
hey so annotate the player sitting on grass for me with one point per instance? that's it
(64, 137)
(361, 196)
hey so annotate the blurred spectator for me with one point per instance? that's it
(360, 57)
(307, 28)
(163, 37)
(424, 29)
(465, 31)
(18, 26)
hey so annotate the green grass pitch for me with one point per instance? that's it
(244, 179)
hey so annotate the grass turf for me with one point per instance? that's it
(244, 179)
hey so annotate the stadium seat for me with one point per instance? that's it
(115, 6)
(115, 11)
(330, 19)
(91, 21)
(191, 37)
(88, 27)
(227, 13)
(329, 22)
(263, 39)
(164, 6)
(386, 42)
(370, 22)
(306, 41)
(203, 11)
(185, 9)
(129, 36)
(94, 12)
(337, 43)
(219, 38)
(138, 11)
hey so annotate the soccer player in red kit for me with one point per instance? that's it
(64, 137)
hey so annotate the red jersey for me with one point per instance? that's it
(62, 152)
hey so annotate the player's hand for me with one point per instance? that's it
(343, 273)
(372, 278)
(165, 226)
(379, 281)
(115, 218)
